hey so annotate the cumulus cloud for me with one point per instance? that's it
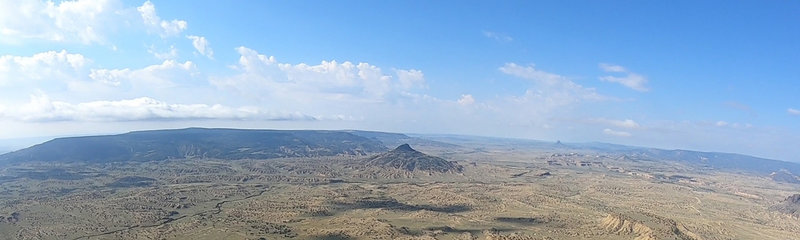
(410, 78)
(616, 133)
(158, 76)
(41, 66)
(202, 46)
(84, 21)
(154, 22)
(42, 109)
(69, 74)
(172, 53)
(793, 111)
(631, 80)
(331, 90)
(81, 21)
(263, 76)
(500, 37)
(466, 99)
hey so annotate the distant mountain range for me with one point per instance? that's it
(231, 144)
(713, 160)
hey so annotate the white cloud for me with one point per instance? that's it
(466, 99)
(627, 123)
(551, 88)
(45, 58)
(529, 72)
(42, 109)
(172, 53)
(45, 66)
(84, 21)
(265, 78)
(68, 74)
(202, 46)
(631, 80)
(611, 132)
(549, 98)
(410, 78)
(112, 77)
(164, 75)
(731, 125)
(793, 111)
(612, 68)
(500, 37)
(163, 27)
(374, 81)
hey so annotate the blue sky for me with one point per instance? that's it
(700, 75)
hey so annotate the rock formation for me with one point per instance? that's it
(408, 159)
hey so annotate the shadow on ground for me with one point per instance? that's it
(392, 204)
(333, 236)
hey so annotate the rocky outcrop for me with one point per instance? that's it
(790, 205)
(11, 218)
(784, 176)
(645, 226)
(620, 224)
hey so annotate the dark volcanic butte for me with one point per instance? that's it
(406, 158)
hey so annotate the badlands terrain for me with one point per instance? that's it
(254, 184)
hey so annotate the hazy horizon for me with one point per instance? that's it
(705, 76)
(12, 144)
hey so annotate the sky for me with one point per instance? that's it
(699, 75)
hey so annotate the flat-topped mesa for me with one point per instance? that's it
(406, 158)
(190, 143)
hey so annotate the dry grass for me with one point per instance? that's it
(500, 195)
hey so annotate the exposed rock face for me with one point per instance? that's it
(12, 218)
(619, 224)
(794, 199)
(791, 206)
(645, 226)
(408, 159)
(784, 176)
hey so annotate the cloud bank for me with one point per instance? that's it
(42, 109)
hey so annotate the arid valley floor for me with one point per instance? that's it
(501, 191)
